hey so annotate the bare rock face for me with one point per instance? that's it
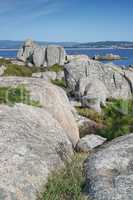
(87, 126)
(55, 55)
(32, 144)
(2, 69)
(109, 171)
(52, 98)
(91, 80)
(89, 142)
(39, 56)
(26, 52)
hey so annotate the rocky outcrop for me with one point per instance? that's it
(40, 56)
(55, 55)
(108, 57)
(109, 171)
(2, 69)
(93, 82)
(49, 75)
(32, 144)
(87, 126)
(89, 142)
(25, 53)
(52, 98)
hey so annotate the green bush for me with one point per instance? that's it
(56, 68)
(118, 119)
(16, 70)
(89, 113)
(10, 96)
(67, 183)
(60, 83)
(4, 61)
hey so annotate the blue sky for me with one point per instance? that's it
(66, 20)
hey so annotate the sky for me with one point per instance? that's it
(67, 20)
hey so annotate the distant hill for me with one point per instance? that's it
(8, 44)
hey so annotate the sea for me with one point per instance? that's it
(126, 53)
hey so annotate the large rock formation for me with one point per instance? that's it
(91, 81)
(32, 144)
(25, 53)
(52, 98)
(40, 56)
(109, 171)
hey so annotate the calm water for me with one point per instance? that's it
(90, 52)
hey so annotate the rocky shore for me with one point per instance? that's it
(70, 99)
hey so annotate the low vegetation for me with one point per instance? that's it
(55, 68)
(89, 113)
(25, 71)
(60, 83)
(116, 118)
(67, 183)
(10, 96)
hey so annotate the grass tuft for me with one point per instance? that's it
(67, 183)
(10, 96)
(56, 68)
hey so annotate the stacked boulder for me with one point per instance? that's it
(41, 56)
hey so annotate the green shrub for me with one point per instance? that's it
(15, 70)
(4, 61)
(10, 96)
(67, 183)
(89, 113)
(60, 83)
(118, 119)
(55, 68)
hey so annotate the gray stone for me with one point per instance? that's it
(32, 145)
(25, 53)
(32, 53)
(87, 126)
(60, 75)
(107, 80)
(2, 69)
(89, 142)
(52, 98)
(109, 171)
(39, 56)
(55, 55)
(48, 75)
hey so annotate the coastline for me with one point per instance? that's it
(78, 48)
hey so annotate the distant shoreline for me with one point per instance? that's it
(78, 48)
(9, 49)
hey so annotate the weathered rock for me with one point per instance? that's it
(32, 144)
(107, 80)
(2, 69)
(52, 98)
(55, 55)
(108, 57)
(89, 142)
(48, 75)
(39, 56)
(109, 171)
(60, 75)
(26, 52)
(17, 62)
(87, 126)
(77, 57)
(92, 93)
(32, 53)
